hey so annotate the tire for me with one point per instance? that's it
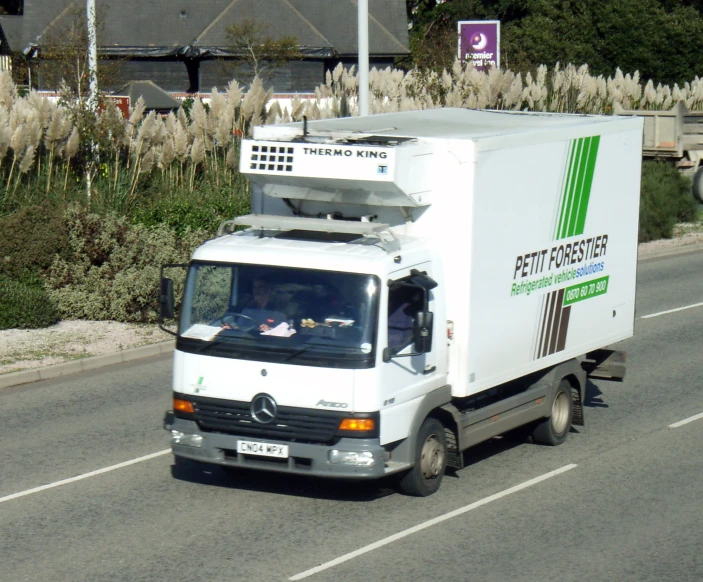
(552, 431)
(697, 185)
(430, 461)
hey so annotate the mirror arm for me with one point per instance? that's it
(408, 355)
(388, 356)
(169, 331)
(166, 298)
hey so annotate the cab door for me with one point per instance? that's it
(404, 378)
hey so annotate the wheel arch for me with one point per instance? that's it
(572, 372)
(431, 407)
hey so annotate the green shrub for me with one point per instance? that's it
(25, 304)
(665, 199)
(202, 210)
(31, 238)
(111, 270)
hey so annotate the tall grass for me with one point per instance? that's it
(136, 165)
(141, 165)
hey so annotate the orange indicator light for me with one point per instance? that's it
(359, 424)
(183, 406)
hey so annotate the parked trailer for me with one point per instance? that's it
(409, 285)
(675, 135)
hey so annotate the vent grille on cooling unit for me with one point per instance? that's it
(271, 158)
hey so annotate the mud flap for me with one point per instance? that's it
(605, 364)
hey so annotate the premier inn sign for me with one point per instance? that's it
(479, 43)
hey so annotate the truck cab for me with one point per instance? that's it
(324, 390)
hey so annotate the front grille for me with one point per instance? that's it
(290, 424)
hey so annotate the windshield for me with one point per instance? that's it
(280, 314)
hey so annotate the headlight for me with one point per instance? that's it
(363, 459)
(185, 439)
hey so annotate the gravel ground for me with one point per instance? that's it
(22, 349)
(685, 235)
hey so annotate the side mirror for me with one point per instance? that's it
(166, 301)
(422, 332)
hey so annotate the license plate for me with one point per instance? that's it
(262, 449)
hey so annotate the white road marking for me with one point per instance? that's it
(671, 311)
(686, 420)
(430, 523)
(84, 476)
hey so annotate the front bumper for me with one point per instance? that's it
(303, 459)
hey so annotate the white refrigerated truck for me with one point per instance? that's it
(408, 285)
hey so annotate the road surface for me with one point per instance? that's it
(88, 490)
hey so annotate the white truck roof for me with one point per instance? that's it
(444, 123)
(392, 159)
(361, 256)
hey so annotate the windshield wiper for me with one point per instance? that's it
(325, 350)
(219, 338)
(297, 352)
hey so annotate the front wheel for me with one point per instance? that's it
(553, 430)
(430, 461)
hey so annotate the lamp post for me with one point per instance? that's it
(92, 56)
(93, 93)
(363, 57)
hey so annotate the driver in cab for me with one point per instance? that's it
(259, 311)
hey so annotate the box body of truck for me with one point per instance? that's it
(508, 239)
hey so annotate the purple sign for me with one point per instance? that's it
(479, 43)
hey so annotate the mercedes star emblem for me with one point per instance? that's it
(263, 408)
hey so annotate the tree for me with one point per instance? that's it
(249, 40)
(63, 55)
(64, 66)
(433, 30)
(662, 39)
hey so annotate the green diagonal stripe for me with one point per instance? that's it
(577, 187)
(561, 202)
(566, 188)
(589, 169)
(573, 187)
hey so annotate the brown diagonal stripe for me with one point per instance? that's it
(557, 320)
(563, 327)
(550, 324)
(551, 336)
(543, 317)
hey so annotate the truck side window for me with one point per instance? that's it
(211, 293)
(403, 304)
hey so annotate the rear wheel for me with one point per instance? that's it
(430, 461)
(553, 430)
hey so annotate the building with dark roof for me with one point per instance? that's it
(155, 98)
(183, 45)
(4, 45)
(11, 27)
(5, 51)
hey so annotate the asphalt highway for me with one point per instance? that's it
(88, 489)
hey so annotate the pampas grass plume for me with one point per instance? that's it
(137, 112)
(72, 144)
(27, 159)
(19, 138)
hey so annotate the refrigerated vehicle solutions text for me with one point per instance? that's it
(408, 285)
